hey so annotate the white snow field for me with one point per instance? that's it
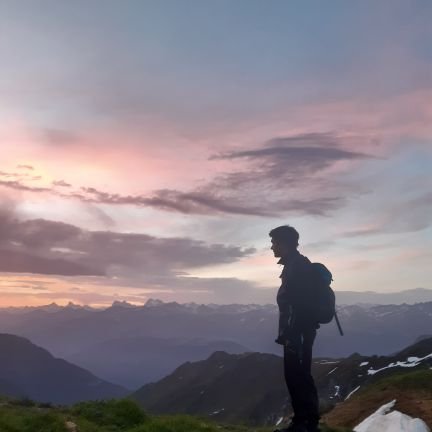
(409, 363)
(384, 421)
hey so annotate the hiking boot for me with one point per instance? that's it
(312, 427)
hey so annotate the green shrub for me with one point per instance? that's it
(23, 421)
(176, 423)
(44, 423)
(121, 414)
(24, 402)
(8, 423)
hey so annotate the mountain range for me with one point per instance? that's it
(152, 340)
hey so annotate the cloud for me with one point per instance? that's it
(61, 183)
(295, 174)
(209, 203)
(48, 247)
(181, 289)
(8, 175)
(17, 185)
(295, 158)
(198, 202)
(106, 220)
(313, 150)
(22, 262)
(19, 177)
(285, 175)
(27, 167)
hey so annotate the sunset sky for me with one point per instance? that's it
(148, 147)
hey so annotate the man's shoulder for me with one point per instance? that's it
(302, 264)
(302, 261)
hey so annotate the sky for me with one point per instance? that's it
(148, 147)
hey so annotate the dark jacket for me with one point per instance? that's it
(294, 296)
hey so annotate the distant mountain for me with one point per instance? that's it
(52, 307)
(250, 387)
(79, 334)
(31, 371)
(133, 361)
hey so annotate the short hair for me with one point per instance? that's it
(285, 234)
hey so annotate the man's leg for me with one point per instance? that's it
(310, 394)
(293, 370)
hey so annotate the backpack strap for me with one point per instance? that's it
(338, 324)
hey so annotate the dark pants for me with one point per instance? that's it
(298, 377)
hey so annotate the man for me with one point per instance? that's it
(297, 330)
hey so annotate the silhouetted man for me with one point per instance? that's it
(296, 330)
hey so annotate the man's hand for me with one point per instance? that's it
(281, 341)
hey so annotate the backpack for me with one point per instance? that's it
(324, 302)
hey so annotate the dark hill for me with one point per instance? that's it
(250, 387)
(226, 387)
(31, 371)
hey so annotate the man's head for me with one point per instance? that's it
(284, 240)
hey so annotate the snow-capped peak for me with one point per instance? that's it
(123, 304)
(153, 303)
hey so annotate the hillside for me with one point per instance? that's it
(30, 371)
(250, 387)
(228, 388)
(115, 416)
(412, 391)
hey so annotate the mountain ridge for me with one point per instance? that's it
(72, 332)
(249, 387)
(408, 296)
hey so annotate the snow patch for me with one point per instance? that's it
(384, 421)
(350, 394)
(336, 392)
(332, 370)
(364, 363)
(217, 411)
(410, 362)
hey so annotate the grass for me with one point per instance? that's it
(411, 389)
(117, 415)
(415, 380)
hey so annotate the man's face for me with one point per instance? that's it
(277, 248)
